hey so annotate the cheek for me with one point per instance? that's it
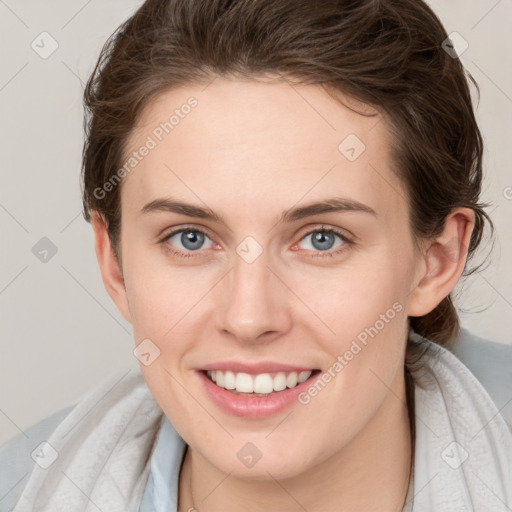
(355, 296)
(364, 308)
(161, 296)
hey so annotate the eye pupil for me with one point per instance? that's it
(320, 237)
(192, 239)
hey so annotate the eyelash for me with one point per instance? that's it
(319, 254)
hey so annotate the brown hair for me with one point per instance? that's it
(387, 54)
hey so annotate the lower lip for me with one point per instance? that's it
(254, 406)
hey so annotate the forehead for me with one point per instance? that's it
(251, 140)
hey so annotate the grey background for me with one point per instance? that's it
(60, 332)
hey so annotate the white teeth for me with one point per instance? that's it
(244, 383)
(229, 380)
(291, 380)
(303, 376)
(279, 382)
(262, 383)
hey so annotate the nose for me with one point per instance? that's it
(252, 304)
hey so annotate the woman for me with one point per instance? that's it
(283, 197)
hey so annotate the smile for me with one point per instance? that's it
(259, 394)
(261, 384)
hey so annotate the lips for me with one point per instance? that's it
(255, 391)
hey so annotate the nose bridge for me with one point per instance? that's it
(252, 302)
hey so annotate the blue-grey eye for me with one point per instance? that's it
(190, 239)
(323, 240)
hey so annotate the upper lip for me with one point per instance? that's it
(255, 368)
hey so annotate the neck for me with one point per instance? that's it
(371, 473)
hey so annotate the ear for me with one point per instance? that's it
(110, 271)
(443, 262)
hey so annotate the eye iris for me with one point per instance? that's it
(192, 237)
(320, 237)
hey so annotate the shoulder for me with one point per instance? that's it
(16, 461)
(121, 405)
(457, 399)
(491, 363)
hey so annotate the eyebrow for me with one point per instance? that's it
(334, 204)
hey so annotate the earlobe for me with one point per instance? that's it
(111, 272)
(443, 263)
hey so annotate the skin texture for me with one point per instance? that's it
(249, 151)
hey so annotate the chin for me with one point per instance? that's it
(260, 459)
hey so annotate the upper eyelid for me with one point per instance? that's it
(174, 231)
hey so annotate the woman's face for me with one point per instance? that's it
(263, 291)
